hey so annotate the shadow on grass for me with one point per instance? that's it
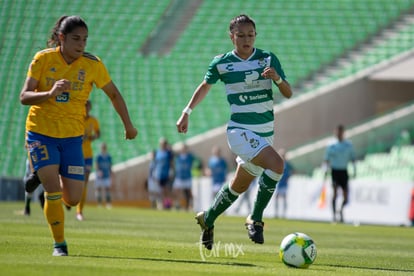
(365, 268)
(169, 260)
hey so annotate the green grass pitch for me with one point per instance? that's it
(132, 241)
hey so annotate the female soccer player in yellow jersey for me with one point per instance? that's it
(58, 84)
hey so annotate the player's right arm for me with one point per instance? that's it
(29, 95)
(198, 95)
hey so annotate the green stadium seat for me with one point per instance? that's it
(309, 35)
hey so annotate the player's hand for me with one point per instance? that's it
(131, 133)
(59, 87)
(270, 73)
(182, 123)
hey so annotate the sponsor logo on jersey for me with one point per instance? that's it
(63, 98)
(230, 67)
(251, 76)
(243, 98)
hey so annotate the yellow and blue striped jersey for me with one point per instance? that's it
(64, 115)
(91, 128)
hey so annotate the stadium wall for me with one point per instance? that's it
(383, 202)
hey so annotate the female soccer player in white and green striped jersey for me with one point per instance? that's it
(248, 74)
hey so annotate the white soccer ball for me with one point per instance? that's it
(297, 250)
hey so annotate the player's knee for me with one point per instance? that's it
(71, 201)
(277, 167)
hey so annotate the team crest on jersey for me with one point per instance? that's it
(262, 62)
(254, 143)
(81, 75)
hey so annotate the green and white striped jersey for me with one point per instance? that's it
(249, 94)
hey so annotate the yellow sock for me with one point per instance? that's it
(79, 207)
(55, 216)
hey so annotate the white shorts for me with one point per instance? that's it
(246, 145)
(153, 186)
(103, 183)
(182, 183)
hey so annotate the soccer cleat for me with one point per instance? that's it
(32, 183)
(79, 217)
(255, 230)
(60, 251)
(26, 211)
(207, 233)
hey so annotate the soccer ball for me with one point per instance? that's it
(297, 250)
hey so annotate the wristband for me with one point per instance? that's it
(279, 81)
(187, 110)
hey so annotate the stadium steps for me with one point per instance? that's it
(397, 164)
(375, 135)
(396, 38)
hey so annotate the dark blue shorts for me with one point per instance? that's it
(66, 152)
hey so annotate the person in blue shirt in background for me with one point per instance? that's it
(164, 170)
(217, 169)
(154, 190)
(104, 176)
(282, 186)
(337, 157)
(183, 177)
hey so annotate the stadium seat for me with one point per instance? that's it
(306, 35)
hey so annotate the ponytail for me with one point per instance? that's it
(54, 36)
(64, 25)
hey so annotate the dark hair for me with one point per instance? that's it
(241, 19)
(64, 25)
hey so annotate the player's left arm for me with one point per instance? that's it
(119, 104)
